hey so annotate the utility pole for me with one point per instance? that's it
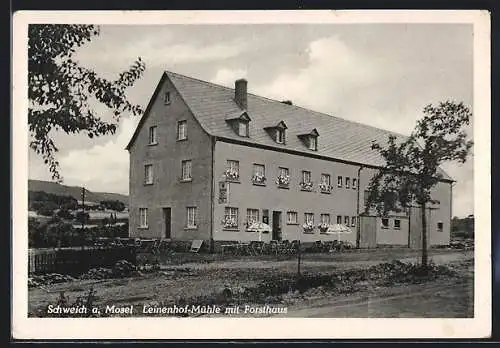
(83, 217)
(298, 262)
(358, 224)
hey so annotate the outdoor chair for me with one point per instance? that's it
(295, 244)
(266, 248)
(196, 245)
(228, 248)
(318, 246)
(155, 247)
(164, 245)
(256, 247)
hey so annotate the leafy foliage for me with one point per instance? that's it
(56, 233)
(462, 227)
(412, 166)
(61, 91)
(45, 203)
(113, 205)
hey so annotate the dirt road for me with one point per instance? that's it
(440, 299)
(198, 279)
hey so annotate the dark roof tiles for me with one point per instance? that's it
(338, 138)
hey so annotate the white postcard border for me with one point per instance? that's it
(253, 328)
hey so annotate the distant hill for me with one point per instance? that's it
(74, 191)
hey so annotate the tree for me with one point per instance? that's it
(61, 91)
(412, 166)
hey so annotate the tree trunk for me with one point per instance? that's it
(424, 235)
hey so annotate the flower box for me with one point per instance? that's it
(232, 175)
(325, 188)
(306, 186)
(229, 223)
(283, 181)
(308, 227)
(323, 227)
(258, 179)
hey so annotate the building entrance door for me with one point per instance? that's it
(167, 218)
(276, 225)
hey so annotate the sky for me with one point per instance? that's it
(378, 74)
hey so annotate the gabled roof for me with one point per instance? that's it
(146, 112)
(314, 133)
(241, 115)
(340, 139)
(281, 125)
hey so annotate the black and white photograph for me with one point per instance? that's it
(262, 167)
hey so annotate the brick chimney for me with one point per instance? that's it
(240, 93)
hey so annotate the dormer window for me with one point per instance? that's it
(239, 122)
(278, 132)
(313, 143)
(280, 136)
(310, 139)
(243, 129)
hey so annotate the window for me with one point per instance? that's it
(186, 170)
(385, 223)
(148, 174)
(230, 217)
(347, 182)
(354, 183)
(252, 216)
(143, 217)
(280, 136)
(325, 179)
(346, 220)
(397, 224)
(339, 181)
(233, 170)
(243, 129)
(309, 218)
(440, 226)
(306, 176)
(353, 221)
(182, 130)
(259, 174)
(152, 135)
(283, 179)
(306, 183)
(325, 219)
(291, 218)
(166, 99)
(313, 143)
(192, 216)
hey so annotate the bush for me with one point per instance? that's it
(45, 211)
(65, 214)
(113, 205)
(82, 217)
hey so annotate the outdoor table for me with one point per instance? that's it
(227, 246)
(244, 247)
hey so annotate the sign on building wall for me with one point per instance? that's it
(223, 192)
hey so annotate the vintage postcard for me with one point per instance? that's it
(251, 174)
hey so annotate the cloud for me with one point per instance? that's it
(102, 167)
(332, 70)
(102, 56)
(226, 77)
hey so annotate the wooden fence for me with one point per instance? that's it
(76, 261)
